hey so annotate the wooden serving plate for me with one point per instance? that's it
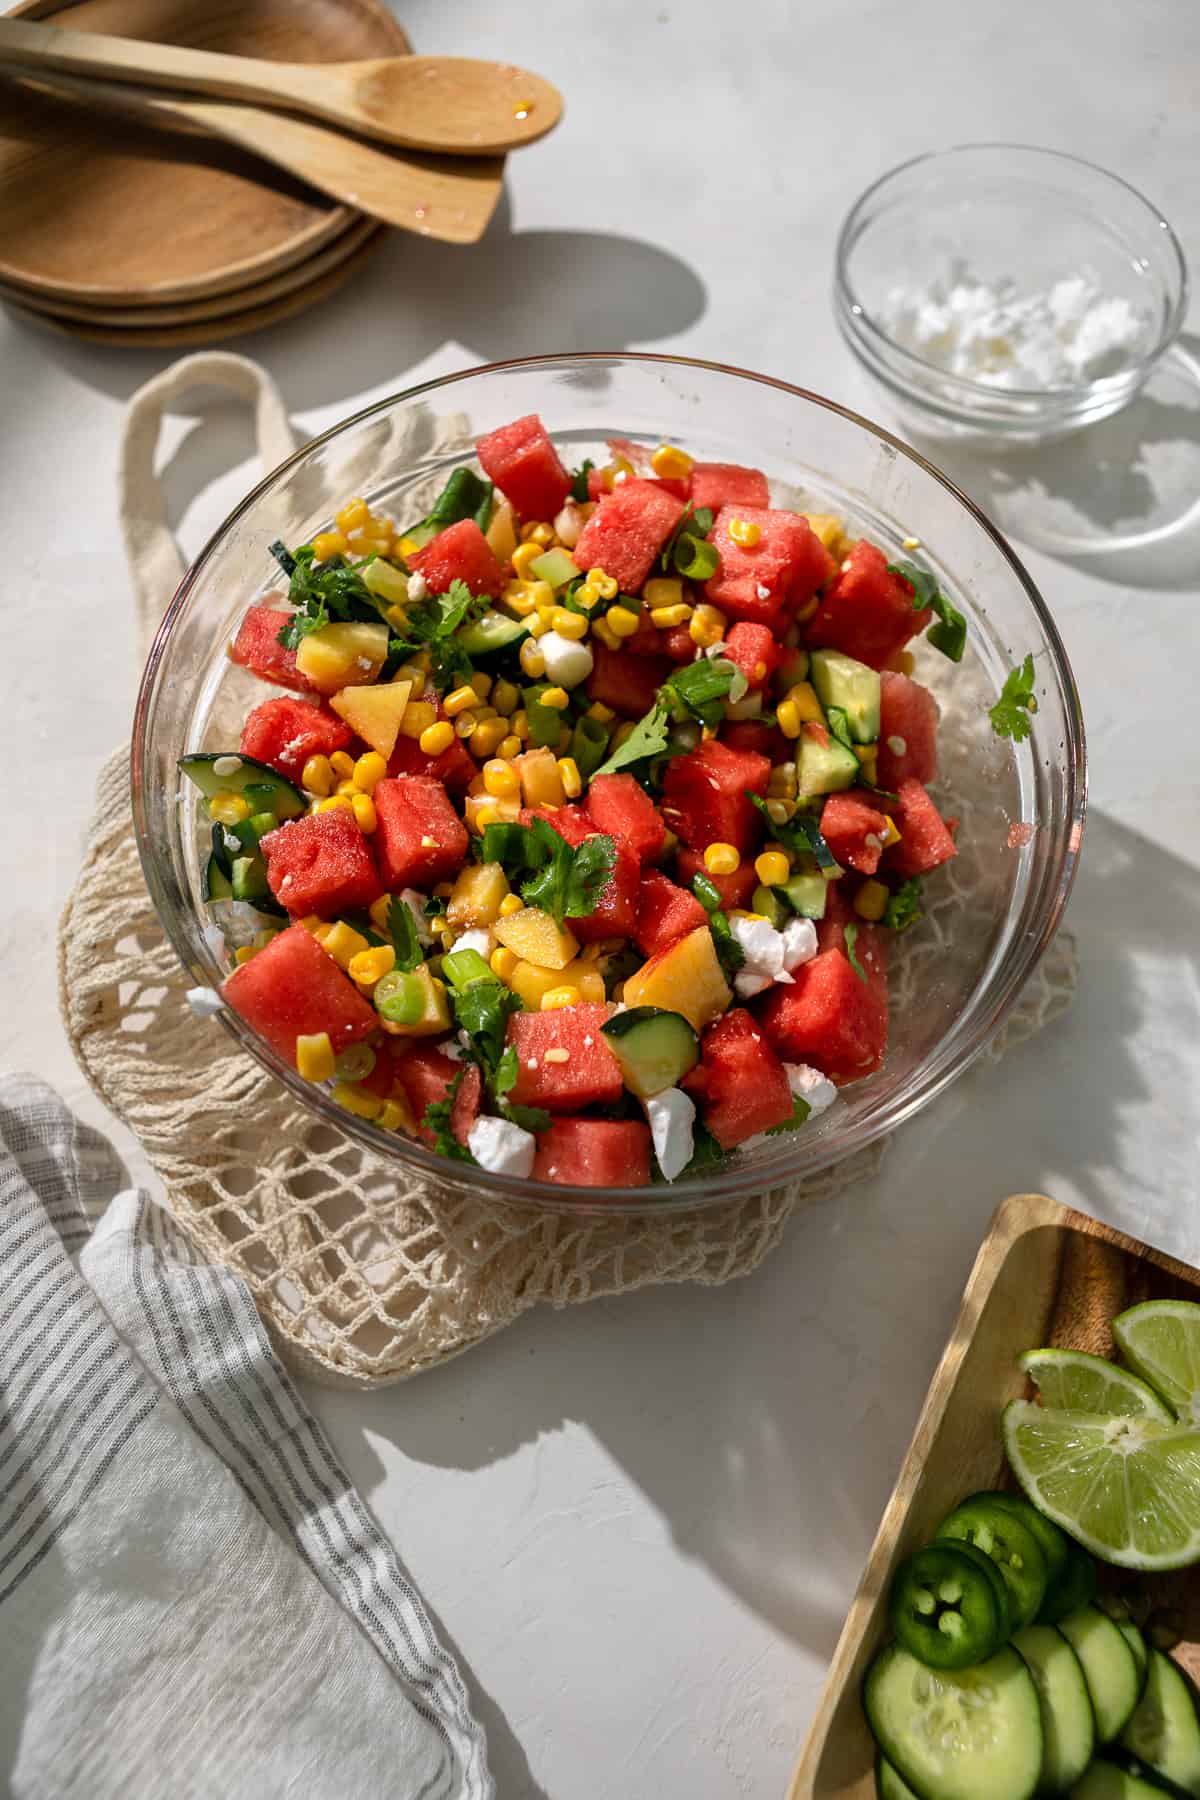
(1045, 1275)
(94, 208)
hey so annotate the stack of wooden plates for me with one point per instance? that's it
(126, 235)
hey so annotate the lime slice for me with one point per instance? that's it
(1161, 1340)
(1073, 1381)
(1127, 1489)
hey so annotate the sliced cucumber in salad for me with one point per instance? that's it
(957, 1734)
(495, 631)
(654, 1048)
(229, 772)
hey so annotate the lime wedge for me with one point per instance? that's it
(1073, 1381)
(1127, 1489)
(1161, 1340)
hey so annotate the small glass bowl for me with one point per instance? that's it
(955, 977)
(1000, 213)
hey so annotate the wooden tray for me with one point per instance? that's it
(1045, 1275)
(103, 210)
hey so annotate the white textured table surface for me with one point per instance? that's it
(639, 1523)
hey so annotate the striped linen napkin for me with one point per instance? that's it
(194, 1601)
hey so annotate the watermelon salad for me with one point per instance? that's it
(583, 812)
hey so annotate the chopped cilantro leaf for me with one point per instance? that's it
(402, 928)
(570, 883)
(579, 480)
(949, 635)
(529, 1118)
(800, 833)
(1010, 715)
(282, 555)
(321, 593)
(648, 738)
(432, 626)
(904, 907)
(466, 495)
(851, 935)
(436, 1118)
(482, 1011)
(800, 1112)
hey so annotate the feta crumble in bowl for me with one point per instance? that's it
(998, 294)
(718, 1004)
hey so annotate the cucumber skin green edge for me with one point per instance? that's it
(1028, 1793)
(1064, 1787)
(1105, 1734)
(1188, 1695)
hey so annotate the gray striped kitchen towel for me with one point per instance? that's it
(194, 1602)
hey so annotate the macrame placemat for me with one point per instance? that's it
(363, 1275)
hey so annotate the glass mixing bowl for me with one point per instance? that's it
(993, 911)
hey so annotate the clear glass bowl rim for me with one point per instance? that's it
(734, 1183)
(857, 320)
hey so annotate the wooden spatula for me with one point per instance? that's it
(450, 104)
(447, 197)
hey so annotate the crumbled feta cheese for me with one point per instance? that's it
(762, 590)
(501, 1147)
(452, 1050)
(480, 941)
(762, 947)
(811, 1085)
(671, 1115)
(418, 587)
(205, 1002)
(799, 943)
(415, 902)
(567, 662)
(897, 745)
(227, 765)
(365, 663)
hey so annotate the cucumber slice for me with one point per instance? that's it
(1068, 1727)
(1140, 1648)
(957, 1734)
(1105, 1781)
(248, 879)
(889, 1783)
(654, 1048)
(273, 792)
(1108, 1668)
(770, 903)
(495, 631)
(851, 686)
(825, 768)
(217, 882)
(806, 895)
(1164, 1732)
(558, 567)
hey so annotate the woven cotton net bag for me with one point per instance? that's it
(365, 1274)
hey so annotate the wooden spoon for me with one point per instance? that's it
(452, 104)
(446, 197)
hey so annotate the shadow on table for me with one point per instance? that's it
(766, 1420)
(515, 293)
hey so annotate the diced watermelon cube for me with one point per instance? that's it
(785, 567)
(460, 553)
(292, 989)
(594, 1153)
(735, 890)
(626, 532)
(908, 720)
(571, 822)
(455, 768)
(867, 612)
(739, 1082)
(286, 732)
(854, 829)
(828, 1017)
(619, 805)
(706, 795)
(525, 466)
(616, 912)
(678, 645)
(425, 1074)
(665, 913)
(321, 864)
(257, 648)
(420, 839)
(627, 683)
(925, 837)
(590, 1076)
(765, 740)
(754, 650)
(715, 485)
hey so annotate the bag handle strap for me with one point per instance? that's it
(156, 563)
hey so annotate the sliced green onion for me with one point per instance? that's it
(463, 968)
(695, 559)
(355, 1064)
(400, 998)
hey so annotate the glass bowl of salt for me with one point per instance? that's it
(998, 294)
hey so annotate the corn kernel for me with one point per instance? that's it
(397, 617)
(508, 747)
(722, 859)
(314, 923)
(892, 835)
(808, 610)
(707, 626)
(558, 997)
(519, 725)
(317, 776)
(228, 809)
(243, 954)
(356, 1100)
(459, 700)
(604, 714)
(568, 774)
(532, 660)
(333, 802)
(570, 625)
(586, 595)
(605, 585)
(518, 599)
(342, 765)
(523, 555)
(487, 815)
(486, 737)
(328, 544)
(870, 764)
(349, 788)
(664, 590)
(465, 723)
(397, 1115)
(804, 697)
(671, 464)
(831, 531)
(408, 546)
(665, 617)
(418, 716)
(537, 531)
(539, 625)
(772, 868)
(481, 685)
(591, 985)
(607, 636)
(369, 771)
(906, 662)
(871, 900)
(501, 780)
(354, 515)
(621, 620)
(618, 470)
(788, 718)
(506, 697)
(343, 943)
(365, 816)
(557, 697)
(744, 533)
(436, 737)
(314, 1057)
(370, 966)
(780, 811)
(511, 903)
(503, 961)
(782, 784)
